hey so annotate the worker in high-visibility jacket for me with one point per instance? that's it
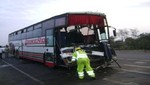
(82, 61)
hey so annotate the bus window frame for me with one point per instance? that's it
(53, 40)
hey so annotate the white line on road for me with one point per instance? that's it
(33, 78)
(140, 62)
(3, 66)
(148, 67)
(121, 83)
(133, 59)
(140, 72)
(113, 81)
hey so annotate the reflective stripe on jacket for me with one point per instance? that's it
(79, 54)
(83, 55)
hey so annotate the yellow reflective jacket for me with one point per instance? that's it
(79, 54)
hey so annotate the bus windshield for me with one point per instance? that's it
(83, 35)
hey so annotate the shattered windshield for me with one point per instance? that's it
(84, 30)
(78, 34)
(82, 35)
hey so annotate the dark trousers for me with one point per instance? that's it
(1, 55)
(6, 54)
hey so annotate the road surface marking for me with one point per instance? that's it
(114, 81)
(139, 62)
(133, 59)
(33, 78)
(121, 83)
(3, 66)
(140, 72)
(148, 67)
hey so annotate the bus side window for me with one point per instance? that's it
(29, 34)
(37, 33)
(49, 37)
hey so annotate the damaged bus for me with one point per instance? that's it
(52, 41)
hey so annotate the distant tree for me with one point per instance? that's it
(123, 34)
(119, 45)
(133, 42)
(143, 42)
(134, 32)
(112, 41)
(130, 43)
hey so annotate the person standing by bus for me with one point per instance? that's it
(1, 52)
(6, 51)
(45, 56)
(82, 61)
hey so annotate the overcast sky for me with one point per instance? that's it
(17, 14)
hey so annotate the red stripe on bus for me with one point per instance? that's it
(35, 59)
(48, 63)
(31, 54)
(74, 19)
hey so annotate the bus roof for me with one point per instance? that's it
(82, 13)
(74, 18)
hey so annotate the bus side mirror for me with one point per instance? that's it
(114, 32)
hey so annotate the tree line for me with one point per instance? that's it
(130, 40)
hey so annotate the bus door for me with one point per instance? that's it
(21, 49)
(60, 41)
(49, 58)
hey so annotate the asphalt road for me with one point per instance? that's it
(135, 71)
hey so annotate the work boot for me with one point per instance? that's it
(93, 77)
(81, 77)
